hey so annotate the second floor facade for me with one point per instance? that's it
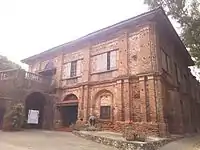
(121, 55)
(142, 45)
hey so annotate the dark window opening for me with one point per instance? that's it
(176, 71)
(108, 60)
(73, 69)
(105, 112)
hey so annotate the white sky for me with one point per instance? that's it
(28, 27)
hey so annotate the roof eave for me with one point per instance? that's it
(96, 33)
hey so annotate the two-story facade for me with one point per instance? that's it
(135, 71)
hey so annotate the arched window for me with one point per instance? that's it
(70, 97)
(103, 104)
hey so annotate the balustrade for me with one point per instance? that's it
(24, 77)
(8, 74)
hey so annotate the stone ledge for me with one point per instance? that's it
(122, 144)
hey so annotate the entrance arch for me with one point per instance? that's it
(35, 102)
(69, 110)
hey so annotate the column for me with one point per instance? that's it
(118, 113)
(123, 54)
(80, 103)
(152, 98)
(126, 98)
(142, 99)
(59, 70)
(86, 65)
(85, 104)
(160, 108)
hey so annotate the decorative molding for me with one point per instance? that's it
(150, 77)
(126, 80)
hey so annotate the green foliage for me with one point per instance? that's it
(6, 64)
(187, 14)
(14, 118)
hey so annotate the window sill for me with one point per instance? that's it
(106, 71)
(70, 78)
(105, 120)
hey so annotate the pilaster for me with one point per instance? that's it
(152, 98)
(85, 103)
(123, 54)
(142, 99)
(60, 70)
(80, 103)
(86, 65)
(126, 98)
(118, 103)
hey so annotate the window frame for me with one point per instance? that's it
(108, 66)
(73, 69)
(108, 61)
(108, 112)
(167, 59)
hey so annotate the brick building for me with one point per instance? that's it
(135, 71)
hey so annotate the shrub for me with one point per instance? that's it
(131, 135)
(14, 118)
(79, 125)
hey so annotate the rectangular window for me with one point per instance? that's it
(104, 62)
(108, 60)
(177, 71)
(73, 69)
(105, 112)
(113, 60)
(166, 62)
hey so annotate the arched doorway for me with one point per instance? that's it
(35, 102)
(69, 110)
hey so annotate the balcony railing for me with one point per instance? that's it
(8, 74)
(25, 79)
(37, 78)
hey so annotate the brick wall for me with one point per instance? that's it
(139, 84)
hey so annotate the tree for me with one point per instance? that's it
(187, 14)
(7, 64)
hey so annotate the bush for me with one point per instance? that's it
(131, 135)
(80, 125)
(14, 118)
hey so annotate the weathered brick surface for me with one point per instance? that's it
(138, 127)
(140, 85)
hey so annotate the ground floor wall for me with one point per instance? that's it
(48, 108)
(134, 100)
(145, 102)
(181, 111)
(4, 106)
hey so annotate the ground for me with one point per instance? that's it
(189, 143)
(46, 140)
(52, 140)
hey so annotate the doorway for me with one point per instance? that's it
(69, 110)
(35, 102)
(69, 115)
